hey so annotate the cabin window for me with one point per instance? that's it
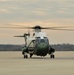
(46, 39)
(38, 39)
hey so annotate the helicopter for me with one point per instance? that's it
(38, 43)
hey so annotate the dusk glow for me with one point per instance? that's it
(49, 13)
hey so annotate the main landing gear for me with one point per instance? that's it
(25, 55)
(51, 52)
(31, 55)
(52, 56)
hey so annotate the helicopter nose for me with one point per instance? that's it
(42, 45)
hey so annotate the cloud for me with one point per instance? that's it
(36, 12)
(62, 11)
(49, 22)
(39, 12)
(5, 34)
(26, 10)
(3, 11)
(3, 0)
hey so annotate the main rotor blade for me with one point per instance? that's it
(54, 27)
(50, 28)
(14, 27)
(63, 29)
(23, 27)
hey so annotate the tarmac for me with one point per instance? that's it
(13, 63)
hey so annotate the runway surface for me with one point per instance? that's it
(13, 63)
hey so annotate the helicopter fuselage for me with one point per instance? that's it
(38, 44)
(41, 46)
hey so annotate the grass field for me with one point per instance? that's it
(13, 63)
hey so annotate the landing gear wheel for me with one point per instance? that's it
(31, 55)
(52, 56)
(23, 52)
(25, 56)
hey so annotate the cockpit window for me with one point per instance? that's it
(42, 40)
(45, 39)
(38, 39)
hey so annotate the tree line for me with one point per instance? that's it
(63, 47)
(8, 47)
(57, 47)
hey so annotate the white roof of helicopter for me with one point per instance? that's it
(40, 34)
(37, 34)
